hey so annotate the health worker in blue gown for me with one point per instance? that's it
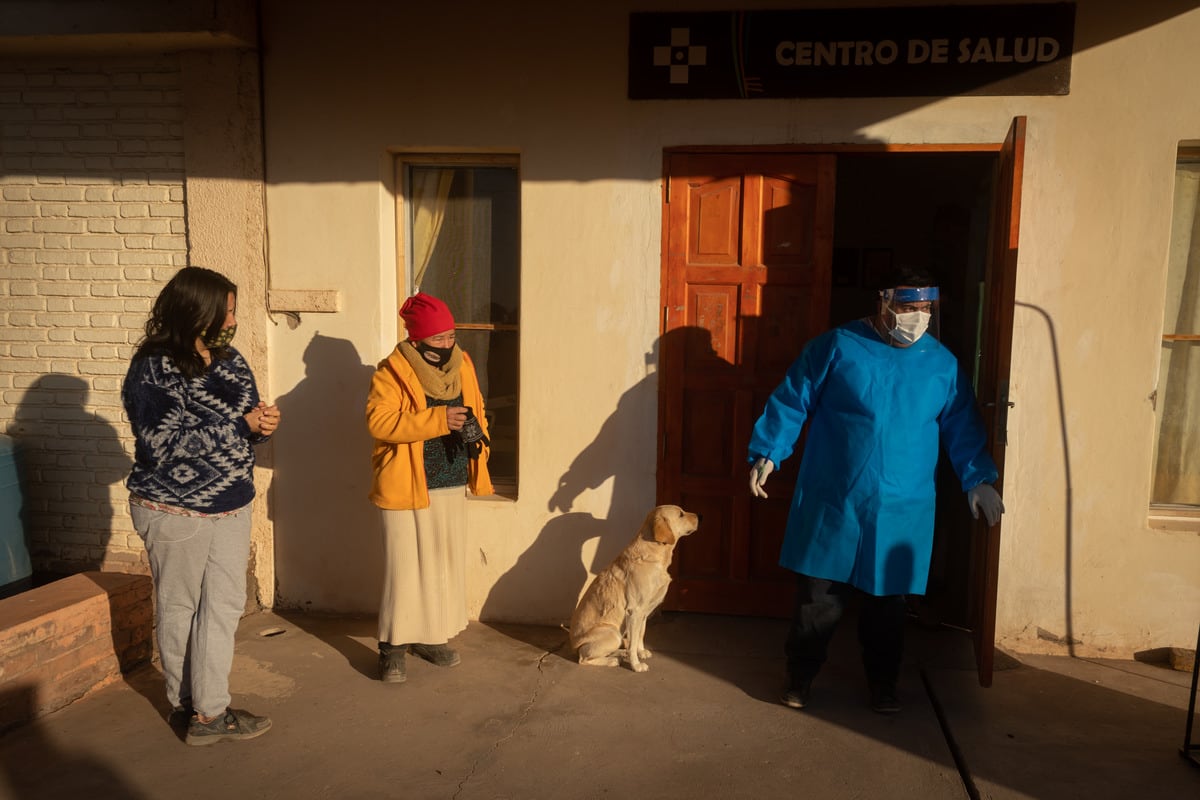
(877, 394)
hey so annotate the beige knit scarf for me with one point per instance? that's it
(440, 383)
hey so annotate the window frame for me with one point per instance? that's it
(505, 489)
(1171, 516)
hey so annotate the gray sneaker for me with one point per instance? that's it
(232, 726)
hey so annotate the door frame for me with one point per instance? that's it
(1000, 281)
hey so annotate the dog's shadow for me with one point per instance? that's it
(550, 576)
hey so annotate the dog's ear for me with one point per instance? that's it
(661, 530)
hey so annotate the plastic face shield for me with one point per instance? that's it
(910, 312)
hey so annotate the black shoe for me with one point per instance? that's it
(391, 663)
(883, 698)
(796, 696)
(232, 726)
(437, 654)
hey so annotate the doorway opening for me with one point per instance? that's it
(767, 247)
(931, 210)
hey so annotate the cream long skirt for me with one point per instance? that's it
(424, 580)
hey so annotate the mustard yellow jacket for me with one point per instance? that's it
(400, 421)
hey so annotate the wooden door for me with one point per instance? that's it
(746, 283)
(999, 303)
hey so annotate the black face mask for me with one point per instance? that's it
(438, 356)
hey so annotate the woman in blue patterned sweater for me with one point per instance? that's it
(196, 414)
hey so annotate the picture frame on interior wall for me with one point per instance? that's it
(876, 263)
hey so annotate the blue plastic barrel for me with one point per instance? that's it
(15, 569)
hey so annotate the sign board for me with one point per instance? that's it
(916, 51)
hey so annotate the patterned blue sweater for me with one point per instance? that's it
(193, 445)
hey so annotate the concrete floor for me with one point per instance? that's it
(520, 719)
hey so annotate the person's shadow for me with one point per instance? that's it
(549, 575)
(618, 451)
(33, 765)
(328, 555)
(66, 456)
(71, 464)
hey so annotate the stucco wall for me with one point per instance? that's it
(223, 165)
(1078, 558)
(1080, 561)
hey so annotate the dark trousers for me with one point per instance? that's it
(819, 607)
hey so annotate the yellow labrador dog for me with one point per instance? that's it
(610, 620)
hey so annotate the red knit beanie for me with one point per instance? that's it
(424, 316)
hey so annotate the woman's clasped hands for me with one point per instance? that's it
(263, 419)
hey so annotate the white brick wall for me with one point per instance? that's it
(91, 226)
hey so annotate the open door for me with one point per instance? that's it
(1000, 280)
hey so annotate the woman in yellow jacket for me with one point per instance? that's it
(425, 411)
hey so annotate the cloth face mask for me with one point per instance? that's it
(222, 339)
(435, 355)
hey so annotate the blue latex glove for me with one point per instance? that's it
(984, 497)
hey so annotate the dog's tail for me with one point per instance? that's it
(570, 638)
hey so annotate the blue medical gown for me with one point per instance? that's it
(864, 503)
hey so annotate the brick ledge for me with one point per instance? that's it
(63, 640)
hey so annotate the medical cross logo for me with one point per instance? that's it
(680, 55)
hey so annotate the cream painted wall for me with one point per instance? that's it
(223, 164)
(1097, 192)
(1080, 561)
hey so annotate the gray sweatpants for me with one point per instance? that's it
(199, 570)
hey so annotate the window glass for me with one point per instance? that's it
(1177, 457)
(463, 241)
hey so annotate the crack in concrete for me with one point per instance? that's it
(537, 690)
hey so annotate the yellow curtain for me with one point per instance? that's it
(1177, 464)
(429, 191)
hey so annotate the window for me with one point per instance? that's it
(459, 217)
(1177, 458)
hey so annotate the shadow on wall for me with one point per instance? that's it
(328, 555)
(550, 575)
(69, 459)
(619, 452)
(1067, 635)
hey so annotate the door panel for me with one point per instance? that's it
(1001, 281)
(786, 318)
(749, 252)
(713, 231)
(706, 456)
(787, 232)
(710, 558)
(713, 308)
